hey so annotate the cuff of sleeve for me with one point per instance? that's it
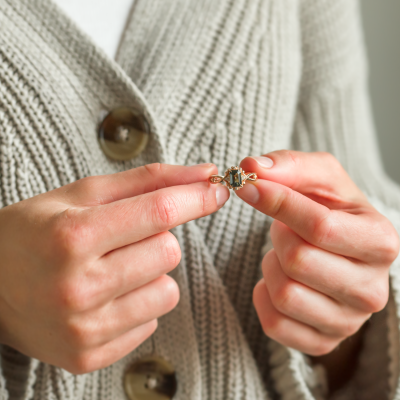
(378, 371)
(378, 367)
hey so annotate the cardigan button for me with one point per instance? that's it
(150, 378)
(123, 133)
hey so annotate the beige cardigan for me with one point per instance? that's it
(218, 80)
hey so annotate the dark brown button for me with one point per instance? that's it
(124, 133)
(150, 378)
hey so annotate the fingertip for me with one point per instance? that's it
(248, 164)
(202, 172)
(249, 193)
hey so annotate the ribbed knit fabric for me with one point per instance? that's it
(217, 80)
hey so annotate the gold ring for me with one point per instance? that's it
(234, 178)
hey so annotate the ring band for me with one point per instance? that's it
(234, 178)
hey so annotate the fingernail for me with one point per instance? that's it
(249, 193)
(222, 194)
(264, 162)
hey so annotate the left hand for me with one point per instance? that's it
(329, 268)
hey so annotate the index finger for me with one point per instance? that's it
(101, 229)
(103, 189)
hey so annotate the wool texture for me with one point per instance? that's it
(217, 81)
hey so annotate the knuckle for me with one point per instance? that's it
(392, 248)
(157, 172)
(294, 157)
(92, 188)
(166, 210)
(272, 327)
(153, 169)
(290, 155)
(389, 244)
(335, 168)
(71, 296)
(382, 297)
(295, 263)
(284, 299)
(323, 230)
(70, 235)
(87, 185)
(374, 296)
(330, 159)
(347, 325)
(378, 301)
(172, 250)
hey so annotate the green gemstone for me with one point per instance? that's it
(235, 178)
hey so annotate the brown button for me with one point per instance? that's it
(124, 133)
(150, 378)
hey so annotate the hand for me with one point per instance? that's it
(83, 267)
(329, 268)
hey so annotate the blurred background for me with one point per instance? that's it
(381, 21)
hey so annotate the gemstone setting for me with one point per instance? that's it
(235, 178)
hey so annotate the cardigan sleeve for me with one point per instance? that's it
(334, 115)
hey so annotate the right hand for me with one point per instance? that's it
(83, 267)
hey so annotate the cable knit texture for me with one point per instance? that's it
(217, 81)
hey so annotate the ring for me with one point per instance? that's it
(234, 178)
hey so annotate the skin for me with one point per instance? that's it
(329, 268)
(76, 259)
(83, 267)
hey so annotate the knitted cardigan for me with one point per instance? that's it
(217, 81)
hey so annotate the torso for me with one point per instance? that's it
(218, 81)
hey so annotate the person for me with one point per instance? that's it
(125, 273)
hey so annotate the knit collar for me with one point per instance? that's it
(94, 70)
(159, 36)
